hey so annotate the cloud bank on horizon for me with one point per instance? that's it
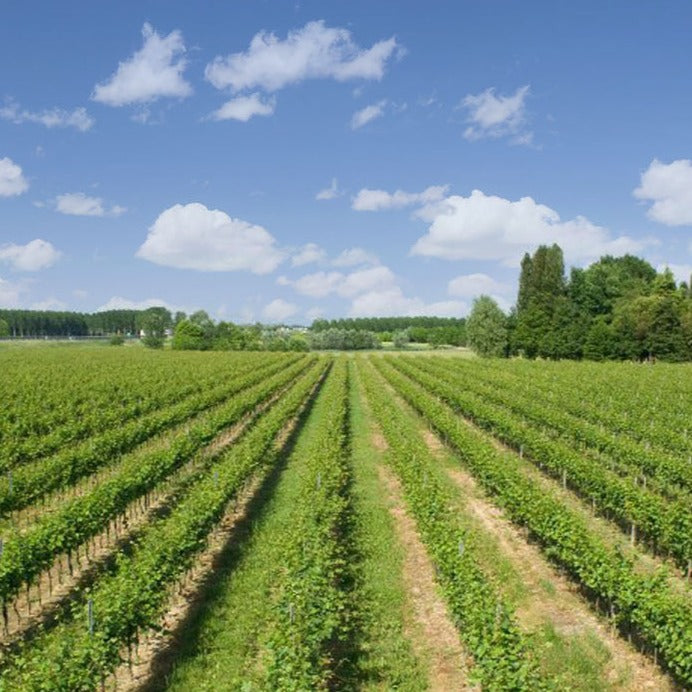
(193, 157)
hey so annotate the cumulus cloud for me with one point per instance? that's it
(392, 301)
(314, 52)
(376, 200)
(492, 115)
(330, 192)
(52, 117)
(365, 115)
(79, 204)
(313, 313)
(307, 255)
(279, 310)
(49, 304)
(153, 72)
(354, 256)
(373, 291)
(669, 187)
(485, 227)
(35, 255)
(10, 293)
(321, 284)
(472, 285)
(191, 236)
(12, 180)
(244, 107)
(120, 303)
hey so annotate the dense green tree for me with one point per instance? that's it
(228, 337)
(600, 339)
(189, 336)
(154, 322)
(486, 328)
(4, 329)
(401, 338)
(204, 322)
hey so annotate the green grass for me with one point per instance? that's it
(223, 645)
(386, 661)
(576, 659)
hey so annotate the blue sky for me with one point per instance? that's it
(278, 161)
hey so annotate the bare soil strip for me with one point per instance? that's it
(156, 650)
(41, 603)
(643, 560)
(551, 597)
(434, 638)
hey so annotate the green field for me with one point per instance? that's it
(263, 521)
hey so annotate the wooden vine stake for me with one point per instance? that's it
(90, 616)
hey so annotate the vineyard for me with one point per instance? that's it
(272, 521)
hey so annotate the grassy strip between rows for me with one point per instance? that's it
(226, 645)
(643, 606)
(79, 654)
(386, 658)
(220, 645)
(672, 473)
(33, 481)
(310, 643)
(26, 556)
(501, 653)
(667, 524)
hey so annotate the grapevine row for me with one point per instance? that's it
(642, 605)
(312, 615)
(486, 624)
(667, 524)
(631, 456)
(79, 653)
(26, 556)
(28, 483)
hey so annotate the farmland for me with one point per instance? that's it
(230, 520)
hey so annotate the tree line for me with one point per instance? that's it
(618, 308)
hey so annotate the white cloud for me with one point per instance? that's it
(49, 304)
(375, 200)
(35, 255)
(473, 285)
(669, 186)
(12, 181)
(681, 272)
(313, 314)
(120, 303)
(279, 310)
(317, 285)
(321, 284)
(53, 117)
(354, 256)
(392, 301)
(486, 227)
(9, 294)
(330, 192)
(79, 204)
(154, 71)
(191, 236)
(244, 107)
(365, 115)
(373, 291)
(497, 116)
(371, 279)
(307, 255)
(313, 52)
